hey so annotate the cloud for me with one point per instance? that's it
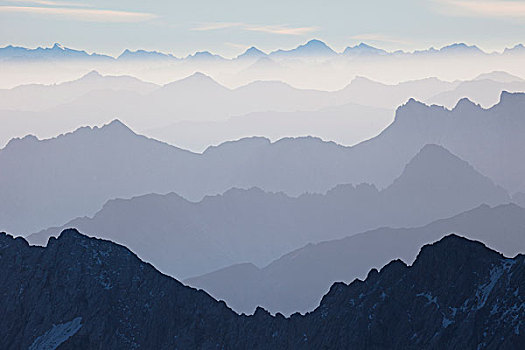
(281, 29)
(483, 8)
(382, 38)
(81, 14)
(216, 26)
(237, 46)
(51, 3)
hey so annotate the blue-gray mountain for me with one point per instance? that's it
(313, 48)
(313, 268)
(85, 293)
(258, 227)
(38, 191)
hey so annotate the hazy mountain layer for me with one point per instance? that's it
(311, 65)
(272, 109)
(81, 292)
(315, 267)
(113, 162)
(184, 238)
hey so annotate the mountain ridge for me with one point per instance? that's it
(218, 225)
(314, 46)
(114, 288)
(315, 267)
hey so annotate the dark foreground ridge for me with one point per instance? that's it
(87, 293)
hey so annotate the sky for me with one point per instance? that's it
(228, 27)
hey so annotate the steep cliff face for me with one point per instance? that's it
(81, 292)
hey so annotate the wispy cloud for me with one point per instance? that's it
(216, 26)
(81, 14)
(236, 46)
(483, 8)
(50, 3)
(381, 38)
(280, 29)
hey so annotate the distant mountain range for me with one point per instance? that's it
(258, 227)
(80, 292)
(313, 268)
(270, 109)
(313, 48)
(114, 162)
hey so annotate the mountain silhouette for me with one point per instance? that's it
(142, 55)
(485, 91)
(36, 97)
(252, 53)
(313, 268)
(499, 76)
(468, 131)
(489, 139)
(312, 49)
(331, 123)
(363, 50)
(48, 110)
(258, 227)
(57, 52)
(81, 292)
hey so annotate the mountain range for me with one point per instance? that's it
(313, 48)
(313, 268)
(114, 162)
(270, 109)
(258, 227)
(81, 292)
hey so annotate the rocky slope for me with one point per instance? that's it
(86, 293)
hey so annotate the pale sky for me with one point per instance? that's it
(228, 27)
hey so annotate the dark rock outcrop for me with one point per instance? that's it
(86, 293)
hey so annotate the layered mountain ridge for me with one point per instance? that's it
(84, 292)
(251, 225)
(148, 166)
(315, 267)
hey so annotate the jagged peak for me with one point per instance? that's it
(512, 97)
(460, 48)
(435, 154)
(312, 48)
(317, 44)
(57, 46)
(363, 48)
(425, 162)
(92, 75)
(115, 124)
(415, 110)
(252, 52)
(70, 234)
(450, 249)
(15, 141)
(204, 55)
(7, 240)
(412, 103)
(196, 77)
(465, 104)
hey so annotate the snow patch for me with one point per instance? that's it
(58, 334)
(446, 322)
(431, 299)
(484, 291)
